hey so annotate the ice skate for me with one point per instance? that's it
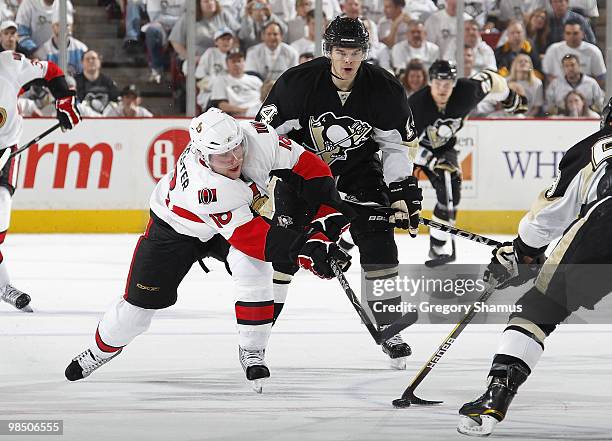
(479, 417)
(18, 299)
(441, 254)
(85, 363)
(397, 350)
(254, 366)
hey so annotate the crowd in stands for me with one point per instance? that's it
(546, 49)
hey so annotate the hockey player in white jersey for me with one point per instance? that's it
(577, 207)
(16, 72)
(204, 208)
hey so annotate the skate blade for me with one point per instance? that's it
(27, 308)
(398, 363)
(257, 385)
(467, 426)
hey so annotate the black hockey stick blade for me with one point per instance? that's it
(409, 398)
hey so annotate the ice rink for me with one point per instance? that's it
(182, 379)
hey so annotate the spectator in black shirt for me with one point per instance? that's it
(94, 89)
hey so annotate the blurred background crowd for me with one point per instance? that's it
(128, 58)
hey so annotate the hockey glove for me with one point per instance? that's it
(406, 197)
(67, 112)
(425, 158)
(515, 103)
(330, 222)
(316, 253)
(513, 264)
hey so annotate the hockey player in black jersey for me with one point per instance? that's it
(347, 111)
(440, 110)
(577, 207)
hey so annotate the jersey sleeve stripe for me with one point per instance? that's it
(309, 166)
(184, 213)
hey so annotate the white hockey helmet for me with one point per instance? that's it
(214, 132)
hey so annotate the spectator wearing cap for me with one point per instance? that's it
(482, 55)
(163, 15)
(296, 27)
(212, 63)
(8, 37)
(129, 106)
(559, 16)
(591, 58)
(257, 16)
(272, 57)
(573, 80)
(516, 44)
(307, 43)
(94, 89)
(414, 47)
(209, 17)
(74, 49)
(34, 18)
(235, 92)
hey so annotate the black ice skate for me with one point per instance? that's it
(440, 255)
(479, 417)
(397, 350)
(85, 363)
(252, 361)
(18, 299)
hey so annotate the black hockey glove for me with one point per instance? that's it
(67, 112)
(330, 222)
(406, 197)
(316, 252)
(515, 103)
(513, 264)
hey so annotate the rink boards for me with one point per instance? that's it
(98, 177)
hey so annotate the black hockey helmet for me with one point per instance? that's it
(443, 70)
(606, 115)
(346, 32)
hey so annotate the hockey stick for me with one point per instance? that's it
(408, 397)
(7, 155)
(379, 336)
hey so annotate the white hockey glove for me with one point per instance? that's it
(513, 264)
(406, 197)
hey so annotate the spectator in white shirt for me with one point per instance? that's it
(373, 10)
(307, 43)
(591, 58)
(235, 92)
(163, 15)
(576, 107)
(484, 57)
(441, 26)
(415, 47)
(393, 27)
(129, 106)
(34, 18)
(257, 15)
(212, 63)
(355, 9)
(378, 54)
(296, 27)
(272, 57)
(420, 9)
(523, 73)
(573, 79)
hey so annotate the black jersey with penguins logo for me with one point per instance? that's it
(345, 129)
(437, 129)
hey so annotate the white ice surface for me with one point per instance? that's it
(182, 380)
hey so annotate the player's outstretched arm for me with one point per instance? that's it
(65, 100)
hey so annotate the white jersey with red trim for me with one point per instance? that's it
(15, 71)
(196, 201)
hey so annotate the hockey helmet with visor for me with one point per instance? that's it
(346, 32)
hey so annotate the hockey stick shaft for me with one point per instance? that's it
(460, 233)
(35, 140)
(379, 336)
(448, 341)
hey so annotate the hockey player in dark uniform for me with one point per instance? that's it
(347, 111)
(440, 111)
(577, 207)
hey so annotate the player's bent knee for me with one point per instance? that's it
(124, 322)
(541, 310)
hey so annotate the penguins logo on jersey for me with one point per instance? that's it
(334, 136)
(442, 130)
